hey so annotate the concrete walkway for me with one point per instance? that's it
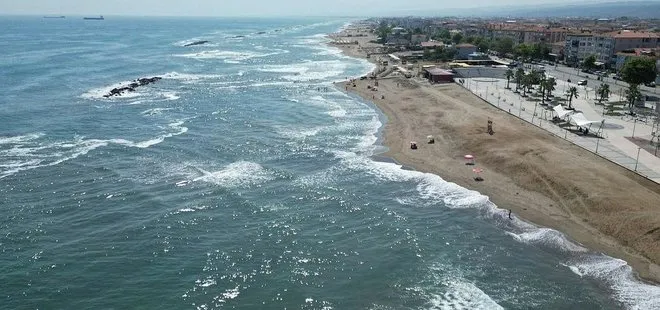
(616, 131)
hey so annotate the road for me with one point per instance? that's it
(616, 87)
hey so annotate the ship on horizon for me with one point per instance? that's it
(94, 18)
(54, 16)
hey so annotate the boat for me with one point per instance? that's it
(94, 18)
(54, 16)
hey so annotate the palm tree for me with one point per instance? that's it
(542, 85)
(603, 92)
(508, 74)
(550, 86)
(572, 92)
(526, 83)
(520, 74)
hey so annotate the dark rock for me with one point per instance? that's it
(118, 91)
(197, 43)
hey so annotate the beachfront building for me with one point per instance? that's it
(464, 50)
(438, 75)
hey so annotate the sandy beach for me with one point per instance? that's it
(541, 178)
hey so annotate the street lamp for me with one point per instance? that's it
(637, 161)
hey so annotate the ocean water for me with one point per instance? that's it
(243, 180)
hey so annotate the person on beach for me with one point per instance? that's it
(510, 214)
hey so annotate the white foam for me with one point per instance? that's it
(18, 139)
(461, 294)
(339, 113)
(309, 70)
(35, 154)
(155, 111)
(548, 237)
(297, 133)
(189, 76)
(633, 293)
(230, 56)
(238, 174)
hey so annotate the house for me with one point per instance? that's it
(438, 75)
(623, 56)
(417, 39)
(464, 50)
(432, 44)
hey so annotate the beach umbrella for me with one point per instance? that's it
(469, 159)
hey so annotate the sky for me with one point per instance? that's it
(262, 8)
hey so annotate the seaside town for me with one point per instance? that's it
(564, 113)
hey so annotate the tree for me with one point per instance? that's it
(418, 31)
(503, 46)
(633, 94)
(523, 50)
(571, 93)
(550, 84)
(638, 70)
(444, 34)
(589, 62)
(520, 74)
(542, 86)
(508, 75)
(457, 38)
(483, 46)
(527, 82)
(603, 92)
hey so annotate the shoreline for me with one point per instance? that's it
(536, 199)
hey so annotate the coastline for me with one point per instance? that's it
(541, 178)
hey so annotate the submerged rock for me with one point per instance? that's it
(197, 43)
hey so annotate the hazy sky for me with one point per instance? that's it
(247, 7)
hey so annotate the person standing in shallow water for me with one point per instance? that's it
(510, 214)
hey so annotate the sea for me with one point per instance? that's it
(243, 180)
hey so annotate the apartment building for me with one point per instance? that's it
(626, 39)
(525, 33)
(605, 46)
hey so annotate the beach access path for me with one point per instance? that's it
(540, 176)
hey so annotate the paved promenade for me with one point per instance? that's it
(614, 145)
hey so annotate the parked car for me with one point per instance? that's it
(582, 82)
(652, 84)
(616, 77)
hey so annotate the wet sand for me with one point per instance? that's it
(541, 178)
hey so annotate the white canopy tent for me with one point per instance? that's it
(561, 112)
(580, 120)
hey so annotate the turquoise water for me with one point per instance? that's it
(244, 180)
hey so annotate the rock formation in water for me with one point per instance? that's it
(197, 43)
(118, 91)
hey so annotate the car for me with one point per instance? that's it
(652, 84)
(582, 82)
(616, 77)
